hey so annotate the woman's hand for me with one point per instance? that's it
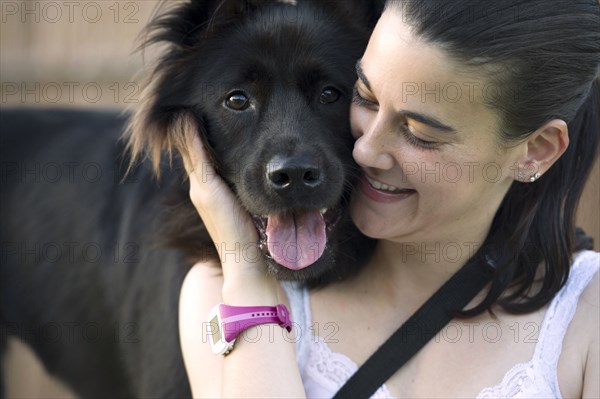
(225, 219)
(232, 230)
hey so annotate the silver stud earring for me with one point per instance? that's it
(535, 177)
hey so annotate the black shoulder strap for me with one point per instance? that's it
(423, 325)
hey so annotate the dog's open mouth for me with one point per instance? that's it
(296, 239)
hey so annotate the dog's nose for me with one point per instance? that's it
(288, 173)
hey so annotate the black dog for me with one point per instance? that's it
(86, 278)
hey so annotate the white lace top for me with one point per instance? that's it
(324, 371)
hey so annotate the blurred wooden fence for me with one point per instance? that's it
(71, 52)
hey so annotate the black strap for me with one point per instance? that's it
(423, 325)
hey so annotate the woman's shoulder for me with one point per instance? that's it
(583, 288)
(582, 336)
(585, 280)
(587, 258)
(587, 263)
(585, 269)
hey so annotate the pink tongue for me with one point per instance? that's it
(296, 241)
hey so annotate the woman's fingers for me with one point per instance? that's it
(231, 229)
(205, 184)
(228, 223)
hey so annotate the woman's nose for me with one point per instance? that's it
(370, 149)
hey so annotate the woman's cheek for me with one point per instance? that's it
(358, 120)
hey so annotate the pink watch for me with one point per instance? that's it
(227, 322)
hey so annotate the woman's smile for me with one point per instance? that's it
(381, 192)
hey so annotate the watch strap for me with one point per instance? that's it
(236, 319)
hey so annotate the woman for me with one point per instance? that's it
(476, 125)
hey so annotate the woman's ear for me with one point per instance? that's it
(544, 147)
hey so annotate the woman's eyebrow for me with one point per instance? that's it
(427, 120)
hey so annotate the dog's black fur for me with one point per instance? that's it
(81, 280)
(84, 278)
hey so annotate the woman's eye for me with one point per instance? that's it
(237, 101)
(417, 142)
(329, 95)
(360, 100)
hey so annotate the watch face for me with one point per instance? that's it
(216, 337)
(215, 329)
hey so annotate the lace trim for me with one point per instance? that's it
(333, 369)
(519, 381)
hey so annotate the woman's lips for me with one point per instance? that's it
(380, 195)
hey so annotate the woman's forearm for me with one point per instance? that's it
(263, 362)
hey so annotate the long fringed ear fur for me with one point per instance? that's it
(155, 124)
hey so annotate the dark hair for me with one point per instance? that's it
(545, 56)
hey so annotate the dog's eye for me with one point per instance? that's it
(238, 102)
(329, 95)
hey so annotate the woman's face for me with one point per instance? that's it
(434, 169)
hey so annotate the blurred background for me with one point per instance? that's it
(72, 53)
(81, 54)
(67, 54)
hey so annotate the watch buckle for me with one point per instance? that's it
(284, 317)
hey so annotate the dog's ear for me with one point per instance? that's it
(183, 26)
(240, 7)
